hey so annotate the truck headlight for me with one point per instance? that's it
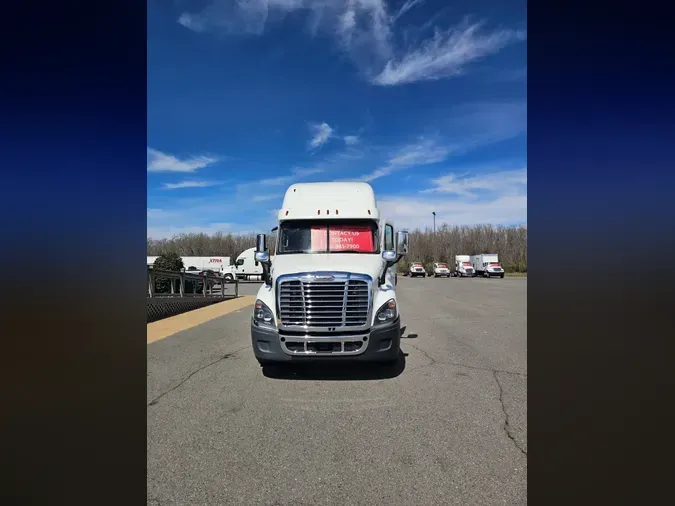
(263, 314)
(387, 313)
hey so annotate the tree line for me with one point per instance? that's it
(510, 243)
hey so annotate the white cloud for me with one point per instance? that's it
(424, 152)
(445, 55)
(456, 201)
(350, 140)
(265, 198)
(189, 184)
(505, 181)
(415, 212)
(405, 8)
(320, 134)
(163, 162)
(297, 173)
(364, 30)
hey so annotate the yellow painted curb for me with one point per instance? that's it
(169, 326)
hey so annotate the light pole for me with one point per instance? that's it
(434, 213)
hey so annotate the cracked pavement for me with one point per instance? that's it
(449, 426)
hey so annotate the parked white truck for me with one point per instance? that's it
(417, 269)
(330, 292)
(441, 269)
(463, 267)
(247, 267)
(487, 265)
(220, 265)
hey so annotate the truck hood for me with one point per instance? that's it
(334, 262)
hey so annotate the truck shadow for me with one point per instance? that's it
(334, 371)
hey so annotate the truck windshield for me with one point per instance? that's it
(328, 236)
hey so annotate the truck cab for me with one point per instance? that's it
(330, 291)
(247, 267)
(417, 269)
(441, 270)
(463, 267)
(487, 265)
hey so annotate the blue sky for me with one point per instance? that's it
(425, 100)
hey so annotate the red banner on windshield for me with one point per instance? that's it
(343, 238)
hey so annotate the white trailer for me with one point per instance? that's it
(463, 267)
(487, 265)
(247, 267)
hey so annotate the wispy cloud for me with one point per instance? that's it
(423, 152)
(189, 184)
(498, 197)
(351, 140)
(504, 181)
(415, 212)
(405, 8)
(163, 162)
(321, 132)
(364, 30)
(297, 173)
(445, 55)
(265, 198)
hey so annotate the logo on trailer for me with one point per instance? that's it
(216, 261)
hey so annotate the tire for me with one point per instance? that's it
(501, 277)
(228, 277)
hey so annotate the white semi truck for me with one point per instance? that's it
(330, 292)
(487, 265)
(220, 265)
(463, 267)
(247, 267)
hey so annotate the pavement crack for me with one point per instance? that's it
(433, 361)
(224, 357)
(506, 427)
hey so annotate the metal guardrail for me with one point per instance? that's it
(178, 279)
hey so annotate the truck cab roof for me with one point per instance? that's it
(304, 201)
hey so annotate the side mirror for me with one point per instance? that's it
(389, 256)
(262, 256)
(260, 244)
(402, 242)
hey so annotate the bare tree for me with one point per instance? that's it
(510, 243)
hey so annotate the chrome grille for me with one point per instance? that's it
(343, 303)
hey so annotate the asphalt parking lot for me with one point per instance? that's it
(448, 425)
